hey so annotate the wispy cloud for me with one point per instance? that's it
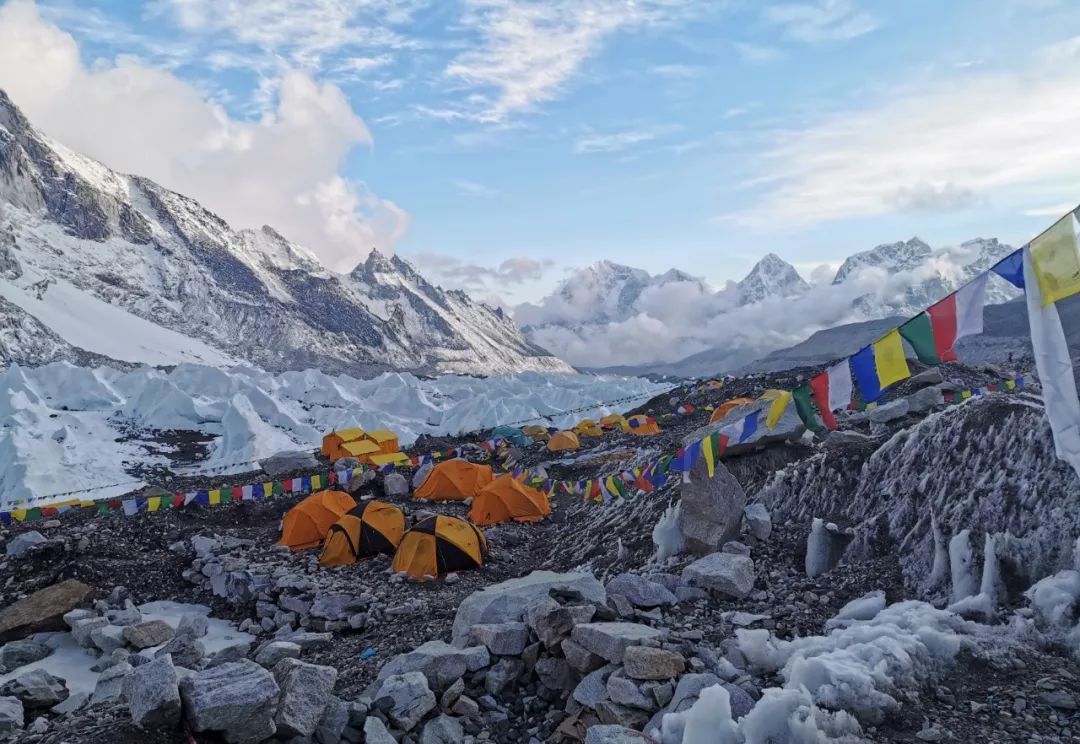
(620, 141)
(943, 147)
(472, 188)
(823, 20)
(457, 273)
(678, 72)
(757, 53)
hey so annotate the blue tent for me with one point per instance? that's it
(510, 434)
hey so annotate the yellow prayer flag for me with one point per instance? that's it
(316, 482)
(889, 359)
(18, 514)
(215, 497)
(707, 454)
(1010, 384)
(965, 393)
(268, 489)
(1055, 257)
(153, 503)
(776, 410)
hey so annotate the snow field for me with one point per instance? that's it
(64, 428)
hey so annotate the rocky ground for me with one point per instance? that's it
(600, 643)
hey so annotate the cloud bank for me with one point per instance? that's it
(282, 170)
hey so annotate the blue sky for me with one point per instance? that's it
(502, 143)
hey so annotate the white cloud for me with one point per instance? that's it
(282, 170)
(823, 20)
(529, 50)
(472, 188)
(619, 141)
(757, 53)
(942, 146)
(456, 273)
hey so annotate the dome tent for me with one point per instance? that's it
(563, 441)
(510, 434)
(368, 529)
(454, 480)
(306, 524)
(536, 432)
(439, 545)
(588, 428)
(642, 426)
(613, 421)
(507, 498)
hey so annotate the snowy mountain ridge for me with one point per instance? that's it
(100, 258)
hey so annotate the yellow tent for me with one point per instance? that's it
(386, 439)
(588, 428)
(454, 480)
(332, 442)
(306, 524)
(643, 426)
(613, 421)
(724, 408)
(394, 458)
(507, 498)
(536, 433)
(439, 545)
(374, 527)
(360, 449)
(563, 441)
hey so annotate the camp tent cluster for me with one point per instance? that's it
(375, 448)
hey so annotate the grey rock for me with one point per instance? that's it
(502, 639)
(333, 722)
(441, 663)
(580, 658)
(11, 715)
(21, 544)
(503, 675)
(1059, 699)
(233, 652)
(204, 546)
(110, 685)
(556, 674)
(613, 734)
(127, 616)
(76, 701)
(336, 606)
(736, 548)
(72, 617)
(108, 638)
(466, 707)
(553, 622)
(20, 653)
(711, 509)
(728, 574)
(688, 689)
(608, 711)
(624, 692)
(476, 658)
(453, 692)
(395, 485)
(81, 630)
(610, 640)
(640, 591)
(185, 651)
(421, 474)
(442, 730)
(305, 691)
(283, 463)
(273, 652)
(236, 699)
(925, 399)
(891, 411)
(36, 689)
(740, 700)
(643, 662)
(592, 689)
(152, 694)
(506, 602)
(758, 520)
(931, 376)
(375, 732)
(407, 698)
(148, 634)
(192, 625)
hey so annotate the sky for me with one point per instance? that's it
(503, 144)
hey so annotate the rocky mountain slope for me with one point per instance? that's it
(118, 265)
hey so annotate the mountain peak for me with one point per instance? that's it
(772, 276)
(893, 258)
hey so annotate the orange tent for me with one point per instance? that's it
(306, 524)
(507, 498)
(454, 480)
(332, 442)
(386, 439)
(588, 428)
(643, 426)
(564, 440)
(439, 545)
(724, 408)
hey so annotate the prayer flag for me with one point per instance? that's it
(880, 365)
(805, 408)
(832, 391)
(1055, 261)
(777, 408)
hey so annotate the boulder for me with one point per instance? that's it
(442, 730)
(108, 638)
(610, 712)
(375, 732)
(421, 474)
(148, 634)
(406, 699)
(891, 411)
(503, 675)
(580, 658)
(825, 547)
(614, 734)
(11, 715)
(186, 651)
(925, 399)
(758, 520)
(333, 723)
(152, 693)
(502, 639)
(20, 653)
(336, 606)
(272, 653)
(553, 622)
(624, 692)
(643, 662)
(125, 616)
(110, 685)
(640, 591)
(592, 689)
(711, 509)
(689, 688)
(556, 674)
(192, 625)
(739, 699)
(235, 651)
(237, 699)
(610, 640)
(728, 574)
(20, 545)
(441, 663)
(305, 691)
(736, 548)
(931, 376)
(283, 463)
(73, 703)
(506, 602)
(395, 485)
(36, 689)
(43, 610)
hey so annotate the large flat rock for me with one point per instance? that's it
(43, 610)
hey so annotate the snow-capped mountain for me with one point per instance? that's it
(94, 262)
(772, 276)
